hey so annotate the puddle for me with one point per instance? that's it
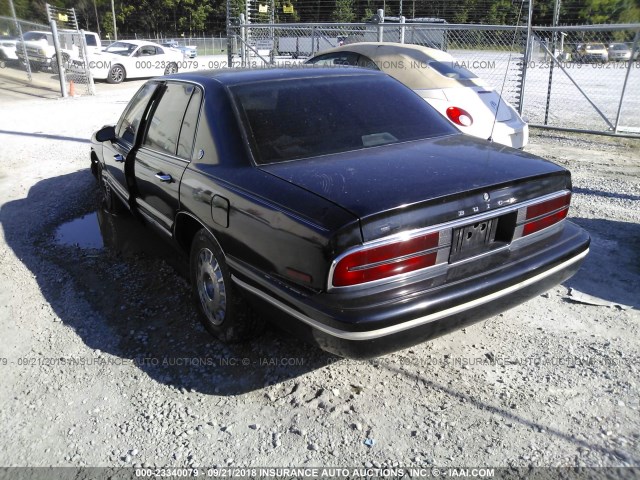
(83, 232)
(122, 233)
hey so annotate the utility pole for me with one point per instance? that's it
(95, 9)
(113, 15)
(24, 47)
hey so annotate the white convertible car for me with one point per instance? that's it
(134, 59)
(458, 94)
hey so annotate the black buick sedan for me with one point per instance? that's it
(337, 203)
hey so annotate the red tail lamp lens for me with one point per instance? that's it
(459, 116)
(545, 214)
(386, 261)
(544, 222)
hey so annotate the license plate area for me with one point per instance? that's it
(482, 237)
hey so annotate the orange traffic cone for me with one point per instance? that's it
(72, 89)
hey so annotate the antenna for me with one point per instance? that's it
(504, 80)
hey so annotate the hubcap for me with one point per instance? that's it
(211, 288)
(117, 74)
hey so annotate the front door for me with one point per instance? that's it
(116, 153)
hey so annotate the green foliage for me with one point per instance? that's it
(344, 12)
(176, 18)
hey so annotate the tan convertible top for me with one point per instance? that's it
(408, 64)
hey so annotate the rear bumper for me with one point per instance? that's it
(375, 323)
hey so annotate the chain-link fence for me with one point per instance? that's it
(495, 53)
(580, 77)
(214, 45)
(29, 56)
(584, 78)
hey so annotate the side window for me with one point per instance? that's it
(366, 62)
(147, 50)
(337, 59)
(323, 60)
(91, 40)
(188, 131)
(164, 126)
(129, 123)
(159, 51)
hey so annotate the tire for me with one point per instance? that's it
(110, 200)
(223, 311)
(171, 69)
(54, 63)
(117, 74)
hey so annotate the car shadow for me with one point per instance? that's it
(602, 193)
(129, 300)
(611, 271)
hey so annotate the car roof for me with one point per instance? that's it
(392, 48)
(408, 64)
(138, 42)
(237, 76)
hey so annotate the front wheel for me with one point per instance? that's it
(111, 202)
(223, 312)
(116, 74)
(171, 68)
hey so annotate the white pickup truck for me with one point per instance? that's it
(42, 53)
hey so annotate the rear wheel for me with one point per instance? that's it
(171, 68)
(223, 312)
(54, 63)
(117, 74)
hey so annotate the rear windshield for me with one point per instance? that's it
(452, 70)
(302, 118)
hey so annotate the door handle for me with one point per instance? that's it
(163, 177)
(118, 158)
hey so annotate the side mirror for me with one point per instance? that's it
(105, 134)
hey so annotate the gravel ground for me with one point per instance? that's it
(103, 362)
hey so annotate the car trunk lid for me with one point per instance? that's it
(400, 187)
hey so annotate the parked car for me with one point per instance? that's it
(41, 50)
(591, 52)
(618, 52)
(458, 94)
(8, 48)
(188, 51)
(134, 59)
(338, 202)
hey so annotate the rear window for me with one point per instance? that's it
(452, 70)
(302, 118)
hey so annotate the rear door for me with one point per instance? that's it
(165, 153)
(118, 154)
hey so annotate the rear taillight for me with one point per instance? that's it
(396, 257)
(541, 215)
(459, 116)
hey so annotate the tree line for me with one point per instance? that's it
(201, 17)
